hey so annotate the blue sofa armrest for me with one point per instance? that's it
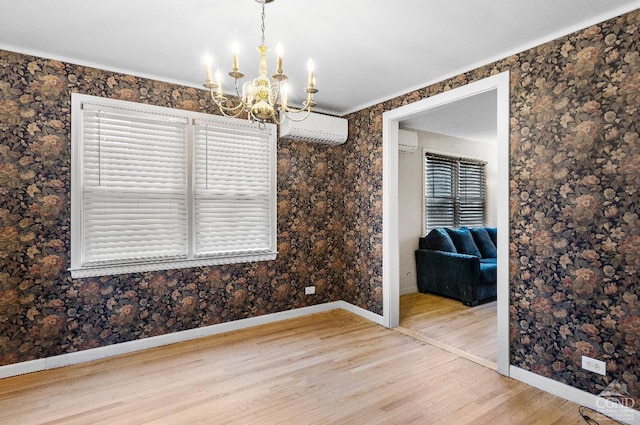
(450, 274)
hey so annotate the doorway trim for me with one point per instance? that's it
(390, 244)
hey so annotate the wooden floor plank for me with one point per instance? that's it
(452, 325)
(328, 368)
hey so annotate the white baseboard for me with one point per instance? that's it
(157, 341)
(583, 398)
(375, 318)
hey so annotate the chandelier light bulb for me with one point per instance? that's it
(310, 68)
(208, 63)
(279, 52)
(235, 49)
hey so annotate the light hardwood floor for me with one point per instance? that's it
(449, 324)
(326, 368)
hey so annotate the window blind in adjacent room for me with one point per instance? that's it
(471, 194)
(454, 191)
(440, 192)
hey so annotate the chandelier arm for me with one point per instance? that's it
(305, 107)
(227, 111)
(221, 105)
(290, 118)
(275, 117)
(230, 115)
(238, 92)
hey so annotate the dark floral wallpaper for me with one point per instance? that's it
(575, 201)
(362, 178)
(575, 234)
(43, 312)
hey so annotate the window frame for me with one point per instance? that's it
(456, 187)
(78, 267)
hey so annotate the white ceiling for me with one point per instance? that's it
(365, 51)
(472, 118)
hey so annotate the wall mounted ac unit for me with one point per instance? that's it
(407, 141)
(316, 128)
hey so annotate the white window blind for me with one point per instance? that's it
(134, 187)
(156, 188)
(232, 190)
(471, 194)
(440, 192)
(455, 192)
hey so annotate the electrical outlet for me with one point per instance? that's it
(594, 365)
(309, 290)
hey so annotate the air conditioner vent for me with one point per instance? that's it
(317, 128)
(407, 141)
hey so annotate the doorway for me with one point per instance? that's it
(464, 128)
(391, 123)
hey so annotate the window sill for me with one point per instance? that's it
(79, 273)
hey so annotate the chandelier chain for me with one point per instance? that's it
(263, 3)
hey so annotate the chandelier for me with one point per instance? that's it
(264, 99)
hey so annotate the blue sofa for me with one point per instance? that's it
(459, 263)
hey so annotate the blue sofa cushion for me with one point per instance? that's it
(488, 272)
(493, 234)
(484, 243)
(439, 240)
(463, 241)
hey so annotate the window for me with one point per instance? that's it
(454, 192)
(156, 188)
